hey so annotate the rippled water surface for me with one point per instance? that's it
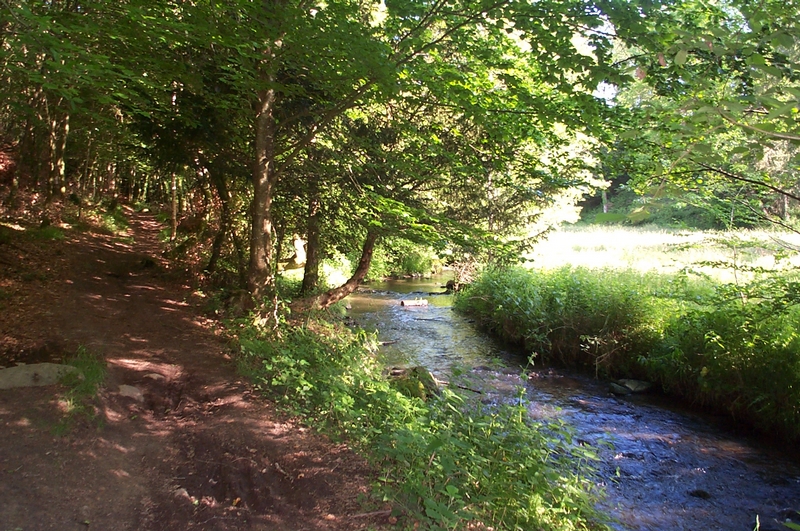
(663, 467)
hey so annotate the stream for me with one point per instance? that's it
(662, 466)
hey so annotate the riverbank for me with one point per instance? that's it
(445, 460)
(725, 347)
(661, 466)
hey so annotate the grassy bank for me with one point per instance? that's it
(729, 347)
(447, 462)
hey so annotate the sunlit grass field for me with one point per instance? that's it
(712, 317)
(723, 255)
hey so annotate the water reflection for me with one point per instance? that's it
(433, 335)
(663, 468)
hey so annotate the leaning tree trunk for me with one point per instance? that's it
(320, 302)
(261, 275)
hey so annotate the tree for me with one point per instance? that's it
(723, 105)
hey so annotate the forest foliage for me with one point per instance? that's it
(404, 134)
(355, 125)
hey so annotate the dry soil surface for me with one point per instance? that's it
(197, 449)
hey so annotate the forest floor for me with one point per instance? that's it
(197, 448)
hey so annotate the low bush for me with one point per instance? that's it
(573, 316)
(112, 218)
(739, 352)
(446, 462)
(47, 233)
(728, 347)
(81, 388)
(398, 258)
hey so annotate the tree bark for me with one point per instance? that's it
(59, 131)
(261, 276)
(221, 186)
(327, 299)
(313, 255)
(241, 259)
(174, 214)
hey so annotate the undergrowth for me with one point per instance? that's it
(728, 347)
(82, 387)
(47, 233)
(448, 462)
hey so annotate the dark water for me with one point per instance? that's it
(663, 467)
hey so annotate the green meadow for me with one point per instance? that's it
(720, 254)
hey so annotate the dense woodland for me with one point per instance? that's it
(450, 125)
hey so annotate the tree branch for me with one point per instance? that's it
(734, 177)
(783, 136)
(770, 219)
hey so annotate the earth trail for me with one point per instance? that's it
(197, 449)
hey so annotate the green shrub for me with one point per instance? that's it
(575, 316)
(47, 233)
(465, 465)
(739, 352)
(113, 218)
(288, 286)
(82, 387)
(728, 347)
(445, 462)
(397, 258)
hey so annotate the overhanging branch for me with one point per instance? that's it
(783, 136)
(739, 178)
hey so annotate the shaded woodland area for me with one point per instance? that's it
(447, 125)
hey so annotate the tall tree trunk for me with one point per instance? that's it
(261, 275)
(59, 131)
(320, 302)
(27, 150)
(221, 186)
(241, 261)
(311, 271)
(174, 217)
(83, 180)
(111, 179)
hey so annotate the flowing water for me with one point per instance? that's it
(663, 467)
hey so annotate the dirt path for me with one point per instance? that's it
(197, 449)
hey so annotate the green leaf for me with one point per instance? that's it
(768, 69)
(638, 215)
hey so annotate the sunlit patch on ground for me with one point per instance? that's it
(664, 250)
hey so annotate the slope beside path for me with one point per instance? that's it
(179, 441)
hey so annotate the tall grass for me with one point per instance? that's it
(578, 317)
(730, 347)
(81, 388)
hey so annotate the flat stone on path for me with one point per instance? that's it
(131, 392)
(34, 375)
